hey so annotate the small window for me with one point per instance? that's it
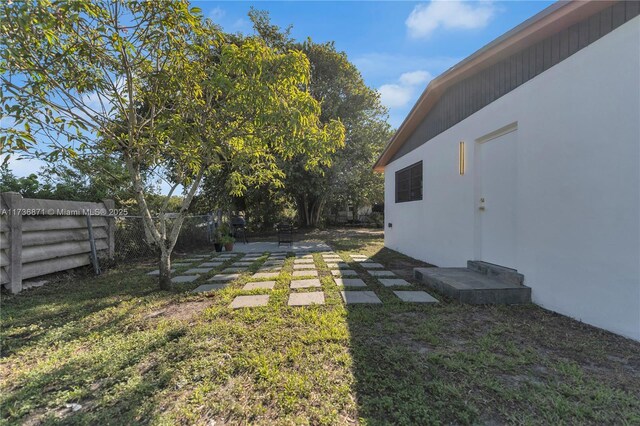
(409, 183)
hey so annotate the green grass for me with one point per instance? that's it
(129, 354)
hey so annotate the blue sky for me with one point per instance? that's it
(397, 46)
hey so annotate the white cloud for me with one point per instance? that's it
(397, 95)
(216, 14)
(380, 68)
(455, 14)
(415, 77)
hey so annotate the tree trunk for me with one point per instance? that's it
(310, 210)
(165, 270)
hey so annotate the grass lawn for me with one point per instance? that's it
(115, 350)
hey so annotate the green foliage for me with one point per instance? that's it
(153, 85)
(339, 87)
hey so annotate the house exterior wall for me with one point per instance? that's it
(477, 91)
(578, 185)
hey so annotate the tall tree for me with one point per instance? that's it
(338, 86)
(166, 92)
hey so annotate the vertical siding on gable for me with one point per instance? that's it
(474, 93)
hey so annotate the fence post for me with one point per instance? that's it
(14, 205)
(111, 227)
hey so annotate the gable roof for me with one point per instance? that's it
(555, 18)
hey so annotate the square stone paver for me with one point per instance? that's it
(198, 270)
(157, 272)
(184, 278)
(393, 282)
(362, 259)
(305, 266)
(181, 264)
(303, 261)
(209, 287)
(371, 265)
(210, 264)
(350, 282)
(199, 255)
(273, 263)
(224, 277)
(266, 275)
(351, 297)
(190, 260)
(305, 299)
(250, 301)
(375, 273)
(344, 273)
(262, 285)
(335, 265)
(416, 296)
(306, 283)
(304, 274)
(228, 270)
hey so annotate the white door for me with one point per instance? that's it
(497, 199)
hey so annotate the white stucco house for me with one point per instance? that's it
(527, 155)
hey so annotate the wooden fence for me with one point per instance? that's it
(40, 237)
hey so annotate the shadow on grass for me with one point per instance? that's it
(470, 364)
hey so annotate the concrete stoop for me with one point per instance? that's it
(479, 283)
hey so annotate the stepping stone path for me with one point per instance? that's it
(344, 273)
(304, 274)
(250, 301)
(198, 270)
(353, 297)
(266, 275)
(415, 296)
(371, 265)
(375, 273)
(306, 283)
(209, 287)
(157, 272)
(393, 282)
(350, 282)
(184, 279)
(304, 269)
(224, 277)
(260, 285)
(305, 299)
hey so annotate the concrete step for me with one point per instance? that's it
(469, 286)
(498, 272)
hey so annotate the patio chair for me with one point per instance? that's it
(239, 226)
(285, 233)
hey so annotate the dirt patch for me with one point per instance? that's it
(180, 311)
